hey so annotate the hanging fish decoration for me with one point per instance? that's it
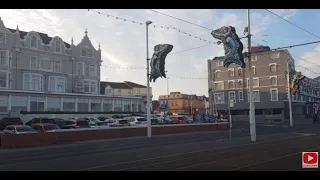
(233, 47)
(295, 83)
(157, 62)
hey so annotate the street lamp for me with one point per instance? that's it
(148, 82)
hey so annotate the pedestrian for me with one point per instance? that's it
(315, 118)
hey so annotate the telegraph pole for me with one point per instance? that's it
(148, 83)
(289, 94)
(251, 95)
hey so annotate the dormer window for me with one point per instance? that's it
(33, 42)
(2, 37)
(83, 53)
(58, 46)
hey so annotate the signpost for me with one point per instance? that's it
(164, 105)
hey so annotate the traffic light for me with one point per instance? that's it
(157, 62)
(233, 46)
(295, 83)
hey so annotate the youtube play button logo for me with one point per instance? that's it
(310, 160)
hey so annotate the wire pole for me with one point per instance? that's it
(251, 95)
(289, 94)
(148, 83)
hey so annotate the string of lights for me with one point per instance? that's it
(155, 26)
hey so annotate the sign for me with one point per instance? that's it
(164, 105)
(231, 104)
(309, 159)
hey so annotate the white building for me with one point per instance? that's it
(39, 72)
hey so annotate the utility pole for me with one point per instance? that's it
(289, 94)
(148, 83)
(251, 95)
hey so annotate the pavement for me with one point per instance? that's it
(277, 148)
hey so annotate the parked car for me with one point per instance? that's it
(136, 120)
(179, 119)
(45, 127)
(95, 121)
(189, 119)
(156, 121)
(86, 123)
(103, 118)
(18, 129)
(68, 124)
(120, 123)
(57, 121)
(6, 121)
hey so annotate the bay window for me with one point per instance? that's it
(90, 86)
(80, 68)
(33, 82)
(57, 84)
(57, 66)
(46, 65)
(5, 58)
(5, 79)
(92, 70)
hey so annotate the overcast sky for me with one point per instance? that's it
(123, 43)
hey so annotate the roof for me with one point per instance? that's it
(115, 85)
(44, 37)
(134, 85)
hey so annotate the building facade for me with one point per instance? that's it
(270, 83)
(39, 72)
(184, 103)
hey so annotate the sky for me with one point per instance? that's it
(123, 43)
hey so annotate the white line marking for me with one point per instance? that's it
(139, 160)
(281, 157)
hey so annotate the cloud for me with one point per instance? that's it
(124, 43)
(312, 67)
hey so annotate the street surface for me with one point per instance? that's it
(277, 148)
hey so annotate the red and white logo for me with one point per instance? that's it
(309, 159)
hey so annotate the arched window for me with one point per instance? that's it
(33, 42)
(58, 46)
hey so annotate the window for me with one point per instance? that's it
(90, 53)
(33, 42)
(108, 91)
(240, 72)
(219, 63)
(57, 84)
(273, 81)
(37, 103)
(2, 37)
(256, 96)
(5, 79)
(19, 103)
(219, 85)
(273, 67)
(275, 55)
(232, 96)
(33, 63)
(240, 94)
(92, 70)
(53, 103)
(46, 65)
(57, 66)
(219, 98)
(5, 58)
(231, 72)
(274, 94)
(231, 84)
(240, 84)
(83, 53)
(255, 82)
(32, 82)
(253, 69)
(90, 86)
(80, 68)
(218, 74)
(58, 46)
(254, 58)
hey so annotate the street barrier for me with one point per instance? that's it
(52, 138)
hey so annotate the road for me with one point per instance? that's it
(277, 148)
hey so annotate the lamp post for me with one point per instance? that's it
(149, 133)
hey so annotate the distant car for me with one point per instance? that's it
(179, 119)
(18, 129)
(95, 121)
(57, 121)
(69, 125)
(103, 118)
(87, 123)
(136, 120)
(189, 119)
(6, 121)
(45, 127)
(120, 123)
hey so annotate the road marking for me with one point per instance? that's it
(270, 160)
(172, 155)
(304, 134)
